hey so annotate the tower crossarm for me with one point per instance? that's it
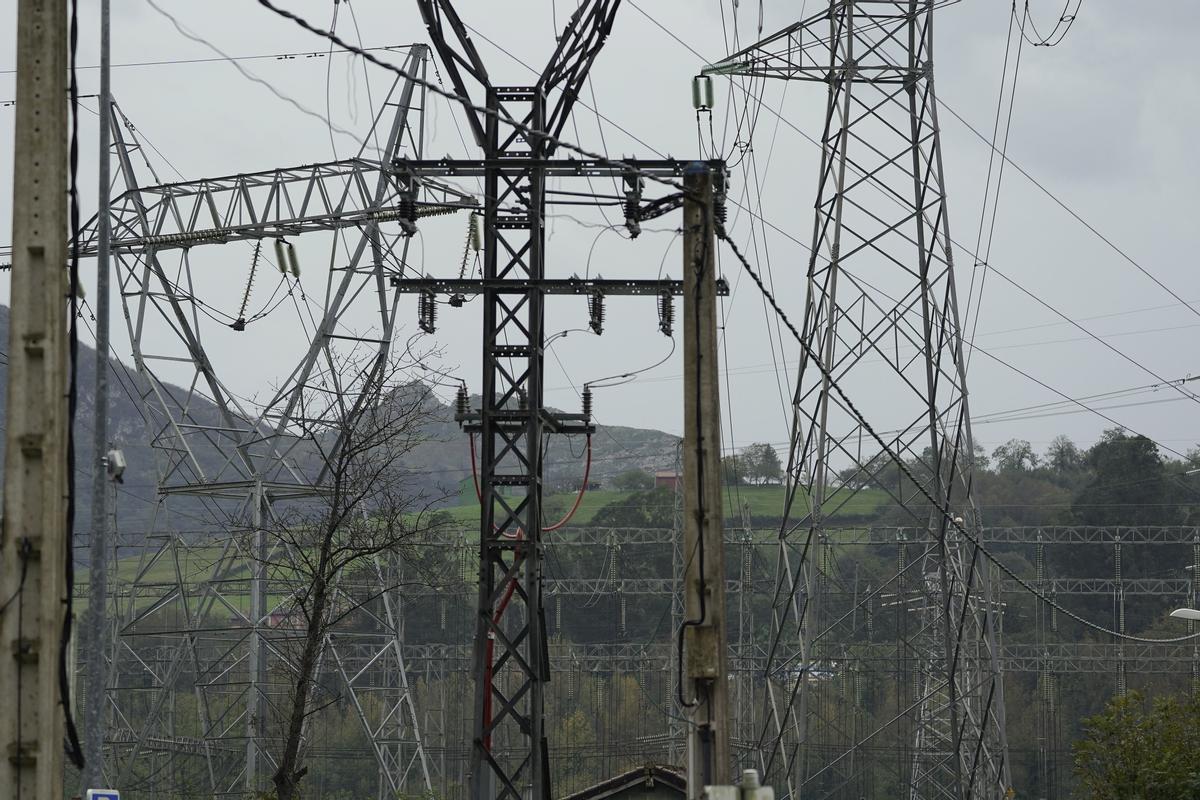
(871, 46)
(270, 204)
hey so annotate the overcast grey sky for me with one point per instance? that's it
(1106, 121)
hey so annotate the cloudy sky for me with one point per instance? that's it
(1104, 121)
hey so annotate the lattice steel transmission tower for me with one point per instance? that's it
(517, 129)
(228, 461)
(881, 323)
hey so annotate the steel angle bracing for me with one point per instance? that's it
(516, 127)
(231, 461)
(881, 277)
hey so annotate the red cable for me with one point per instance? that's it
(474, 473)
(512, 585)
(587, 470)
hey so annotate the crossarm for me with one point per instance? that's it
(273, 203)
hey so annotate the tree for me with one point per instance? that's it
(367, 507)
(981, 462)
(762, 463)
(880, 472)
(733, 469)
(654, 508)
(633, 480)
(1063, 456)
(1129, 483)
(1015, 455)
(1136, 751)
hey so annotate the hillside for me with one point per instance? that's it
(127, 430)
(444, 461)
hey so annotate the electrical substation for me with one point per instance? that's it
(529, 654)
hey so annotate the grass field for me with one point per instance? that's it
(767, 501)
(196, 562)
(557, 505)
(764, 501)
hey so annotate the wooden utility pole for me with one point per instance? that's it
(32, 550)
(705, 684)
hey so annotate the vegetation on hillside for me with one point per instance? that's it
(1137, 749)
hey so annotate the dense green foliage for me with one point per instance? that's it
(633, 480)
(758, 463)
(1138, 750)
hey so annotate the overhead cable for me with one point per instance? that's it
(944, 512)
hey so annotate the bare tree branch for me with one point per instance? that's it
(366, 504)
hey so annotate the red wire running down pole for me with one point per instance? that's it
(508, 593)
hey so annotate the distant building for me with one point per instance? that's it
(667, 479)
(651, 782)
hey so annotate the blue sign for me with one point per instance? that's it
(103, 794)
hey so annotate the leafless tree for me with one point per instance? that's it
(368, 504)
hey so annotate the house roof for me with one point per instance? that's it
(649, 773)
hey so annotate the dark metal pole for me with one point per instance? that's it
(96, 628)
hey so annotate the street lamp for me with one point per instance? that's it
(1187, 613)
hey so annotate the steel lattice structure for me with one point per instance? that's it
(236, 465)
(232, 466)
(517, 130)
(881, 288)
(508, 744)
(880, 285)
(608, 586)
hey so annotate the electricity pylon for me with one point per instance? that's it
(517, 130)
(881, 325)
(229, 461)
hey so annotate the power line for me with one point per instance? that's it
(1066, 20)
(250, 76)
(256, 57)
(949, 519)
(874, 182)
(795, 333)
(465, 102)
(987, 193)
(1074, 214)
(1066, 319)
(766, 222)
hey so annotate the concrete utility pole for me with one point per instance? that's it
(97, 617)
(32, 551)
(705, 685)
